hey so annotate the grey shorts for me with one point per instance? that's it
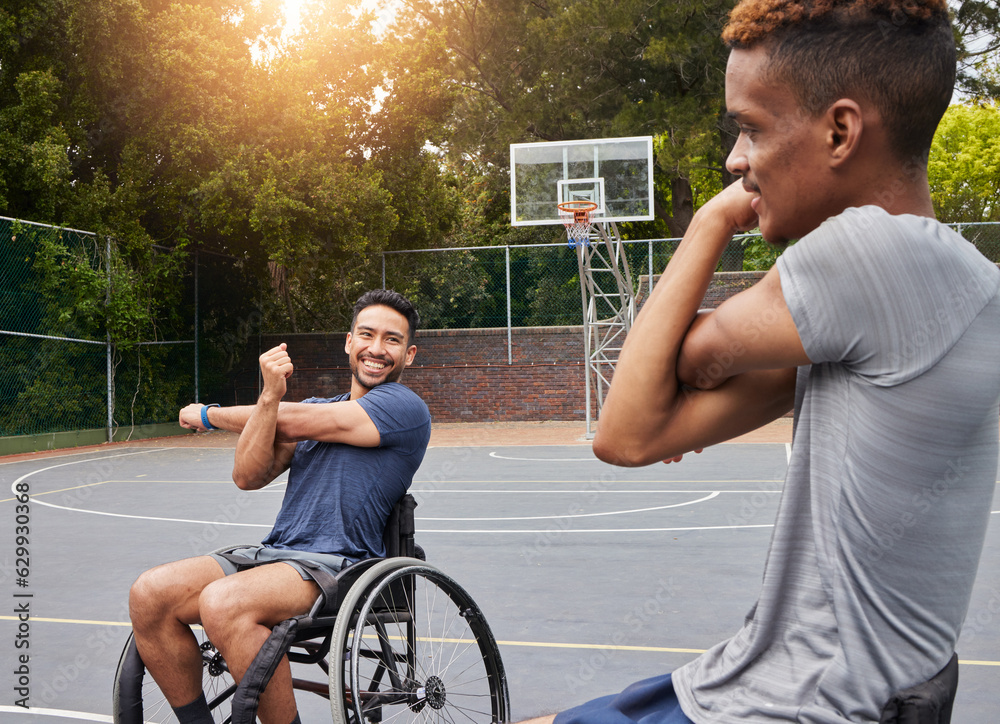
(331, 563)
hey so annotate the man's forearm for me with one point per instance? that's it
(646, 387)
(232, 419)
(256, 461)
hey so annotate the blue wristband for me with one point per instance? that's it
(204, 417)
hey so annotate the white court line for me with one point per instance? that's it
(13, 485)
(64, 713)
(711, 495)
(588, 492)
(607, 485)
(421, 531)
(156, 518)
(591, 459)
(788, 451)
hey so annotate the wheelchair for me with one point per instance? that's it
(394, 639)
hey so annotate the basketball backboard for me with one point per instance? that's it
(614, 173)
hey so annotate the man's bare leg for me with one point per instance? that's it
(163, 602)
(238, 613)
(540, 720)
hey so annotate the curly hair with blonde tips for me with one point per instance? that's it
(898, 55)
(753, 21)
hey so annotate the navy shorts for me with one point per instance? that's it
(652, 701)
(331, 563)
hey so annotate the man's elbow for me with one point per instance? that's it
(247, 482)
(620, 451)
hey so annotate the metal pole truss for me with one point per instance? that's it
(608, 300)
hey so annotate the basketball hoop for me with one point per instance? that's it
(577, 229)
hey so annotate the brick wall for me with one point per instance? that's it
(463, 374)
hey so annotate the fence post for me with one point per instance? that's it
(197, 385)
(649, 284)
(510, 350)
(383, 270)
(107, 330)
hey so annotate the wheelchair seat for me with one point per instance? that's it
(389, 636)
(927, 703)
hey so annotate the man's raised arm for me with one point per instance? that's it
(260, 458)
(682, 382)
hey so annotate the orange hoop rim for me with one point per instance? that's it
(579, 205)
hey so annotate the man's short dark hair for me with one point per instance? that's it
(899, 55)
(392, 299)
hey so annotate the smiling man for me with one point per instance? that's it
(350, 459)
(880, 326)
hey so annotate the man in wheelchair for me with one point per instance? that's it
(350, 458)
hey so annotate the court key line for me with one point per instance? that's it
(267, 525)
(711, 495)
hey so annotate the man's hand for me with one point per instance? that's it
(735, 204)
(275, 368)
(190, 417)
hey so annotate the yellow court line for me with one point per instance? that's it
(532, 644)
(69, 620)
(602, 647)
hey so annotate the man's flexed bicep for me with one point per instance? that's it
(752, 330)
(345, 422)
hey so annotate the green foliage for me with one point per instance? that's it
(759, 255)
(964, 164)
(977, 35)
(76, 293)
(585, 69)
(200, 124)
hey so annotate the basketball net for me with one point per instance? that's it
(577, 221)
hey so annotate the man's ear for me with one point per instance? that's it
(845, 125)
(347, 344)
(411, 352)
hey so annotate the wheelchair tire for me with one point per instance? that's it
(413, 647)
(137, 698)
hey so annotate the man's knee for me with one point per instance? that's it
(149, 597)
(170, 590)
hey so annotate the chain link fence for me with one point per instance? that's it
(53, 368)
(60, 369)
(539, 285)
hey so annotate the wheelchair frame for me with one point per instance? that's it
(385, 658)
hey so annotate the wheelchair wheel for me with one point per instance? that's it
(416, 647)
(137, 698)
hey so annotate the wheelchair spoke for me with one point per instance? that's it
(424, 622)
(138, 699)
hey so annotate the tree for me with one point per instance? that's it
(198, 122)
(585, 69)
(964, 164)
(977, 35)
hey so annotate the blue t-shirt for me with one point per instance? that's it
(339, 496)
